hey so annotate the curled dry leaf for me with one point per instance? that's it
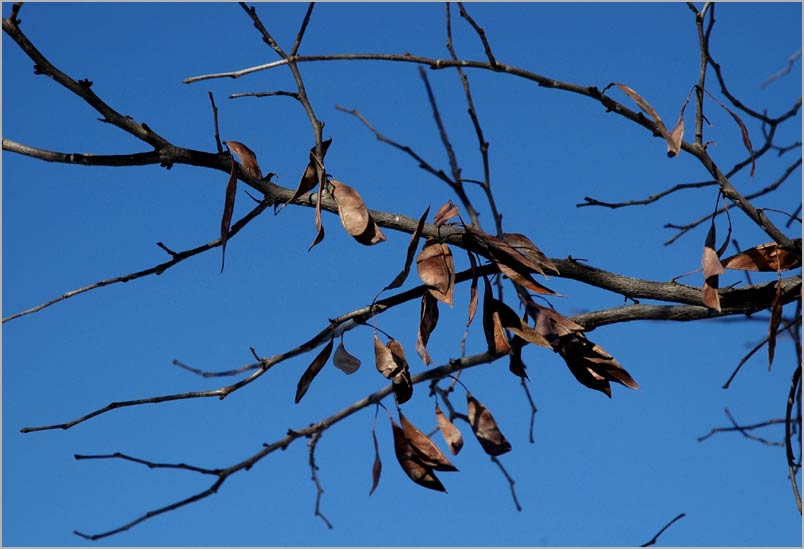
(312, 370)
(228, 209)
(445, 213)
(765, 257)
(677, 135)
(591, 365)
(411, 253)
(650, 111)
(484, 427)
(515, 364)
(376, 469)
(711, 269)
(247, 158)
(523, 245)
(309, 178)
(511, 322)
(372, 235)
(514, 264)
(351, 208)
(551, 324)
(354, 215)
(402, 384)
(492, 325)
(427, 323)
(410, 462)
(452, 436)
(437, 270)
(345, 361)
(384, 359)
(472, 290)
(426, 450)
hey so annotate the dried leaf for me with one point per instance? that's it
(765, 257)
(410, 462)
(319, 227)
(228, 210)
(426, 450)
(309, 179)
(345, 361)
(312, 370)
(247, 158)
(677, 135)
(452, 436)
(376, 469)
(711, 269)
(351, 208)
(472, 291)
(526, 247)
(511, 322)
(437, 270)
(427, 323)
(402, 386)
(485, 428)
(648, 109)
(775, 320)
(591, 365)
(515, 364)
(372, 235)
(492, 325)
(746, 138)
(550, 323)
(512, 263)
(412, 245)
(445, 213)
(384, 359)
(524, 279)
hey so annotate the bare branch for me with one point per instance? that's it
(786, 70)
(660, 532)
(314, 472)
(151, 464)
(792, 466)
(215, 121)
(176, 257)
(743, 430)
(510, 480)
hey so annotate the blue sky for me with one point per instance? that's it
(601, 472)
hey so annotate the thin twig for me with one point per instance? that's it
(151, 464)
(510, 480)
(480, 33)
(215, 120)
(482, 142)
(176, 257)
(294, 95)
(303, 28)
(456, 186)
(792, 466)
(293, 434)
(533, 409)
(743, 430)
(423, 164)
(314, 472)
(660, 532)
(787, 68)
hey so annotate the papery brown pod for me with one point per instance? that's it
(484, 427)
(427, 451)
(452, 436)
(437, 270)
(411, 464)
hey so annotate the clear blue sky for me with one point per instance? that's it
(601, 472)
